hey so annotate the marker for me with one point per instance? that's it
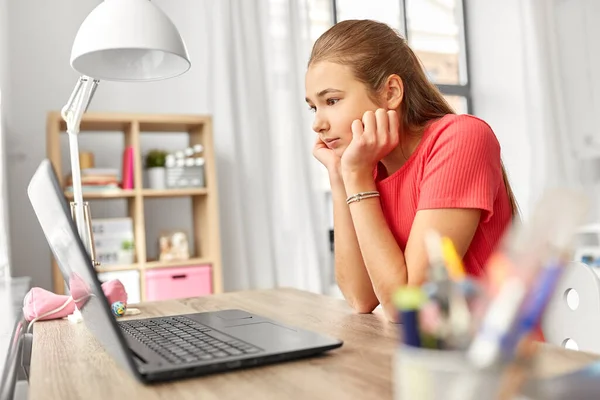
(439, 286)
(433, 330)
(433, 246)
(409, 300)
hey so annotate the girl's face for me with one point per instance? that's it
(337, 99)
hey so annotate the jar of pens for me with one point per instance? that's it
(466, 338)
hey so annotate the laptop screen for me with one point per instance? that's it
(54, 216)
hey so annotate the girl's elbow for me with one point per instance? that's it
(364, 306)
(391, 314)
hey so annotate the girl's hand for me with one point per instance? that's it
(372, 139)
(326, 156)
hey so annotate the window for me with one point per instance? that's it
(386, 11)
(435, 30)
(320, 17)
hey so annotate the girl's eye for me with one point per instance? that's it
(312, 108)
(331, 102)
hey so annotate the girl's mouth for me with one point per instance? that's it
(332, 143)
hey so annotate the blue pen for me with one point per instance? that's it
(535, 304)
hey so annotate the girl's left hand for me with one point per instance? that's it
(372, 139)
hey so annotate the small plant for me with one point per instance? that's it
(156, 158)
(127, 245)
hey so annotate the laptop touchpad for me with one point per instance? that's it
(264, 334)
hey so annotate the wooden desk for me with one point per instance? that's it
(360, 369)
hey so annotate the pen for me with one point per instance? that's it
(439, 285)
(534, 304)
(485, 349)
(408, 300)
(433, 330)
(449, 293)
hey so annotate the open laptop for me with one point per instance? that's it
(161, 348)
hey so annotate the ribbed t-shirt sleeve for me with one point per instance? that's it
(463, 168)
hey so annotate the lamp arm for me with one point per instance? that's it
(72, 113)
(79, 101)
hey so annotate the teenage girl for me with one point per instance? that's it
(400, 163)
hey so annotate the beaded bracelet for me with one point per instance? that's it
(361, 196)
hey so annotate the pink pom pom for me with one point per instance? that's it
(114, 291)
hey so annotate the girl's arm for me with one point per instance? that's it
(388, 267)
(350, 271)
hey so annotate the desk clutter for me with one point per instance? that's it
(40, 304)
(467, 338)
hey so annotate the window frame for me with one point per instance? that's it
(462, 90)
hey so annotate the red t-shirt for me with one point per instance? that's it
(456, 165)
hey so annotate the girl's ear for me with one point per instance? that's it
(394, 92)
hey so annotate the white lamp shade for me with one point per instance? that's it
(129, 40)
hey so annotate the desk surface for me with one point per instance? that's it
(359, 369)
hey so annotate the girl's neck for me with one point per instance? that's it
(409, 140)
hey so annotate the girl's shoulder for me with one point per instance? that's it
(460, 131)
(460, 127)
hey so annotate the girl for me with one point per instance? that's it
(400, 163)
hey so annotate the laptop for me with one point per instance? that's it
(162, 348)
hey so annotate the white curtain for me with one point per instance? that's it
(4, 248)
(273, 221)
(563, 94)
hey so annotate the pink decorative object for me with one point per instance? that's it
(114, 291)
(127, 173)
(40, 304)
(173, 283)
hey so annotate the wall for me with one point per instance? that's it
(498, 85)
(41, 34)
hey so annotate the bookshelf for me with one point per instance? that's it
(204, 201)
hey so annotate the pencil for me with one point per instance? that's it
(453, 262)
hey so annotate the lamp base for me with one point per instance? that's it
(88, 226)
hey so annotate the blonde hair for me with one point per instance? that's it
(374, 51)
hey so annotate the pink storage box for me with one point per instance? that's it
(177, 283)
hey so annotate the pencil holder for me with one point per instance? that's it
(427, 374)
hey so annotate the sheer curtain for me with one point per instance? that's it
(273, 221)
(4, 248)
(563, 94)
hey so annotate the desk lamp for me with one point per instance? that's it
(120, 40)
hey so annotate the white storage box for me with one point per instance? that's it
(129, 279)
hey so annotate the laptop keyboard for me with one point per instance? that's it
(182, 340)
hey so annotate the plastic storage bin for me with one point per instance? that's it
(181, 282)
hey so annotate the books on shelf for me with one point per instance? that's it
(102, 180)
(95, 180)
